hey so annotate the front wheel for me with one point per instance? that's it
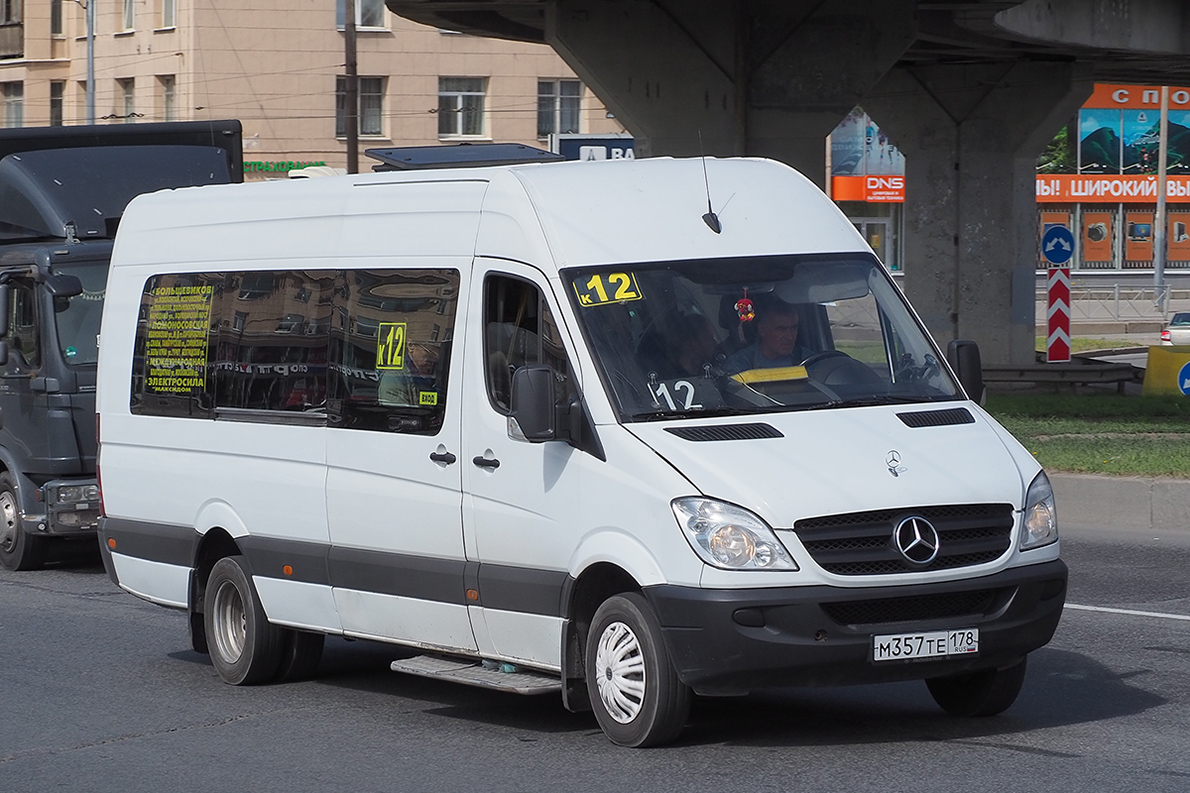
(983, 693)
(19, 550)
(637, 696)
(245, 647)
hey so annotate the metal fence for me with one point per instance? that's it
(1120, 303)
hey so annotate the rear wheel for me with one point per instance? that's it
(19, 550)
(245, 647)
(637, 696)
(983, 693)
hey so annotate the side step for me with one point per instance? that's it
(472, 673)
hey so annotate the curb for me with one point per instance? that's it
(1122, 502)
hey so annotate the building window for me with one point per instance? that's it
(368, 14)
(129, 14)
(461, 106)
(128, 95)
(371, 106)
(55, 17)
(169, 13)
(14, 104)
(169, 97)
(559, 105)
(10, 11)
(57, 93)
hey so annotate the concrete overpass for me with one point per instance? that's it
(971, 92)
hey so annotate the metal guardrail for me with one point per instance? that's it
(1120, 303)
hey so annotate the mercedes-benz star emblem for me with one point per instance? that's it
(917, 540)
(893, 461)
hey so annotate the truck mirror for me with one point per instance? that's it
(63, 285)
(3, 352)
(4, 312)
(533, 404)
(963, 356)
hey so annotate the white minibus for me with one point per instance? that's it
(626, 431)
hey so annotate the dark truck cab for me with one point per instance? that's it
(62, 193)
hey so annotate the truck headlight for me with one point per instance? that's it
(1041, 514)
(730, 537)
(74, 494)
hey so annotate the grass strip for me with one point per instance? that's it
(1100, 434)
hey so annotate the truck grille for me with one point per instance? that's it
(861, 543)
(912, 609)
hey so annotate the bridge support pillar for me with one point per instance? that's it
(971, 136)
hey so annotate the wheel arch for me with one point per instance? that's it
(587, 591)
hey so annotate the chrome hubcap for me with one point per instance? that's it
(230, 622)
(9, 525)
(620, 674)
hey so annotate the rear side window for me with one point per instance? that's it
(359, 349)
(272, 342)
(390, 342)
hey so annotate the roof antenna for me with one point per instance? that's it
(710, 218)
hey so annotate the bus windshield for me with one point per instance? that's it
(753, 335)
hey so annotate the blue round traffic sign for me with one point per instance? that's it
(1184, 379)
(1057, 245)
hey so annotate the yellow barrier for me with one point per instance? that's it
(1168, 371)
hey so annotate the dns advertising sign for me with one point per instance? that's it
(871, 188)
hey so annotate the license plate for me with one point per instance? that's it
(935, 644)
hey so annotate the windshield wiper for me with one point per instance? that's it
(879, 399)
(661, 415)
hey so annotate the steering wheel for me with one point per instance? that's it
(822, 356)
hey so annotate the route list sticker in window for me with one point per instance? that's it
(176, 346)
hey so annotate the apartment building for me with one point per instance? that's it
(278, 66)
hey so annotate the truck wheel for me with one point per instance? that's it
(19, 550)
(301, 653)
(245, 647)
(634, 690)
(983, 693)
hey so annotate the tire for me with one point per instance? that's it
(635, 692)
(301, 653)
(983, 693)
(245, 647)
(19, 550)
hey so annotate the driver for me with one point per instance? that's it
(776, 340)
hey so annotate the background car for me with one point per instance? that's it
(1177, 331)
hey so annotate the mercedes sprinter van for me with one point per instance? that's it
(561, 428)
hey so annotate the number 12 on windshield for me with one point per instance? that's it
(601, 289)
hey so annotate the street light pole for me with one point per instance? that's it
(351, 92)
(90, 9)
(1160, 243)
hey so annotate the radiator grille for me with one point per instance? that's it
(861, 543)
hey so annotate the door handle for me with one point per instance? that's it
(443, 457)
(487, 462)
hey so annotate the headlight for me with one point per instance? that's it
(1041, 515)
(73, 494)
(729, 537)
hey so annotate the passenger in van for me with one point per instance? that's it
(776, 340)
(695, 345)
(402, 387)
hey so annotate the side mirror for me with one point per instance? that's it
(63, 285)
(963, 357)
(3, 310)
(3, 352)
(533, 411)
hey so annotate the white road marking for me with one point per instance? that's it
(1130, 612)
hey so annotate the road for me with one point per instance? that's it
(102, 693)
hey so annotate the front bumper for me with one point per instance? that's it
(735, 641)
